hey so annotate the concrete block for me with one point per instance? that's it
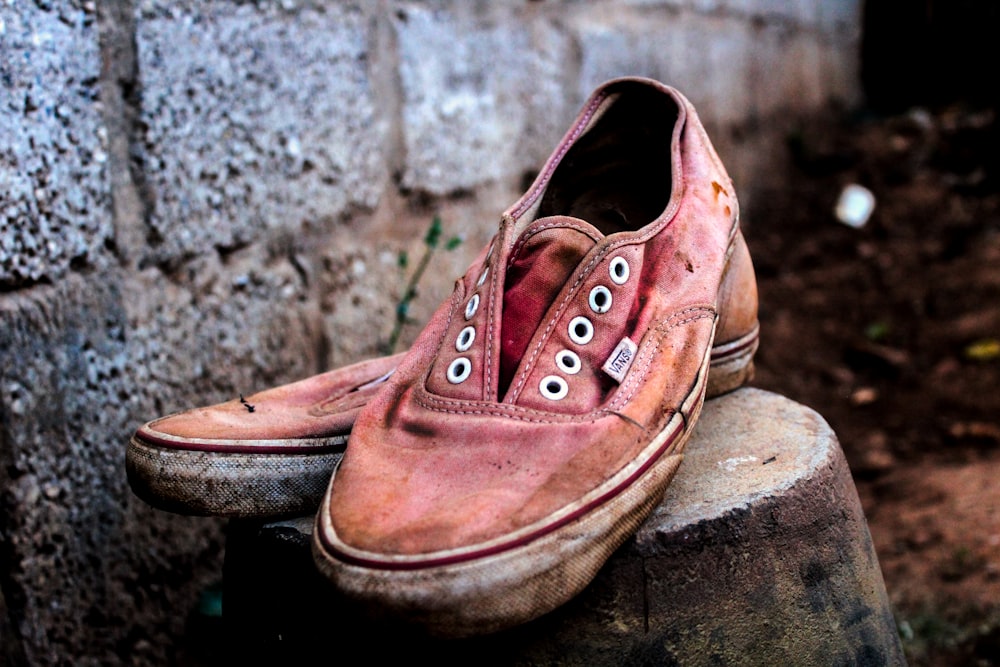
(220, 331)
(840, 16)
(83, 364)
(88, 572)
(360, 281)
(54, 211)
(733, 68)
(758, 554)
(705, 57)
(482, 100)
(256, 119)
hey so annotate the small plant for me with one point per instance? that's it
(432, 239)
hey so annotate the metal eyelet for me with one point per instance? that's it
(600, 299)
(465, 339)
(618, 270)
(581, 330)
(553, 387)
(459, 370)
(472, 307)
(568, 362)
(482, 278)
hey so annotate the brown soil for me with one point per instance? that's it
(892, 333)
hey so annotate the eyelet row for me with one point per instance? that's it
(581, 332)
(460, 368)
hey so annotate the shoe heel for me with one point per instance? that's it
(738, 331)
(731, 364)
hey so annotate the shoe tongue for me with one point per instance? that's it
(544, 256)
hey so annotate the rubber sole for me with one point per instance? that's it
(732, 363)
(231, 484)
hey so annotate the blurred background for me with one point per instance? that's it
(200, 199)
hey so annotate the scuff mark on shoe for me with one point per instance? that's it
(248, 406)
(631, 421)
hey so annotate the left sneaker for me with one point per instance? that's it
(261, 456)
(538, 418)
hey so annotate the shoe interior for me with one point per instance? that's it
(617, 176)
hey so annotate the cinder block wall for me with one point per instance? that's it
(200, 198)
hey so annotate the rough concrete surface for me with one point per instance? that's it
(758, 554)
(77, 552)
(482, 100)
(199, 199)
(53, 190)
(256, 121)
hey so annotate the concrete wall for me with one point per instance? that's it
(200, 198)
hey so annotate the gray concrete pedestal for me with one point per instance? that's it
(759, 554)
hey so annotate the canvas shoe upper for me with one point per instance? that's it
(538, 418)
(265, 455)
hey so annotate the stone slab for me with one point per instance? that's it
(758, 554)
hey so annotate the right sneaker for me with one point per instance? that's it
(261, 456)
(538, 418)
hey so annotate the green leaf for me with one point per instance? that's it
(433, 233)
(453, 243)
(403, 260)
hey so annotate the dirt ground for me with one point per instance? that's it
(892, 333)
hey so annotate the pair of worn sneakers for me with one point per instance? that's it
(482, 478)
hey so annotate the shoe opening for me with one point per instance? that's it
(617, 176)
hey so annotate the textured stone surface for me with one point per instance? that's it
(482, 100)
(256, 119)
(803, 12)
(732, 68)
(695, 54)
(759, 553)
(53, 190)
(84, 365)
(77, 551)
(217, 330)
(360, 281)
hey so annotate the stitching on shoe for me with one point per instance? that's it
(521, 242)
(457, 300)
(542, 183)
(644, 361)
(437, 404)
(491, 314)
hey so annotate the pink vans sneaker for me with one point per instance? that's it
(264, 455)
(538, 418)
